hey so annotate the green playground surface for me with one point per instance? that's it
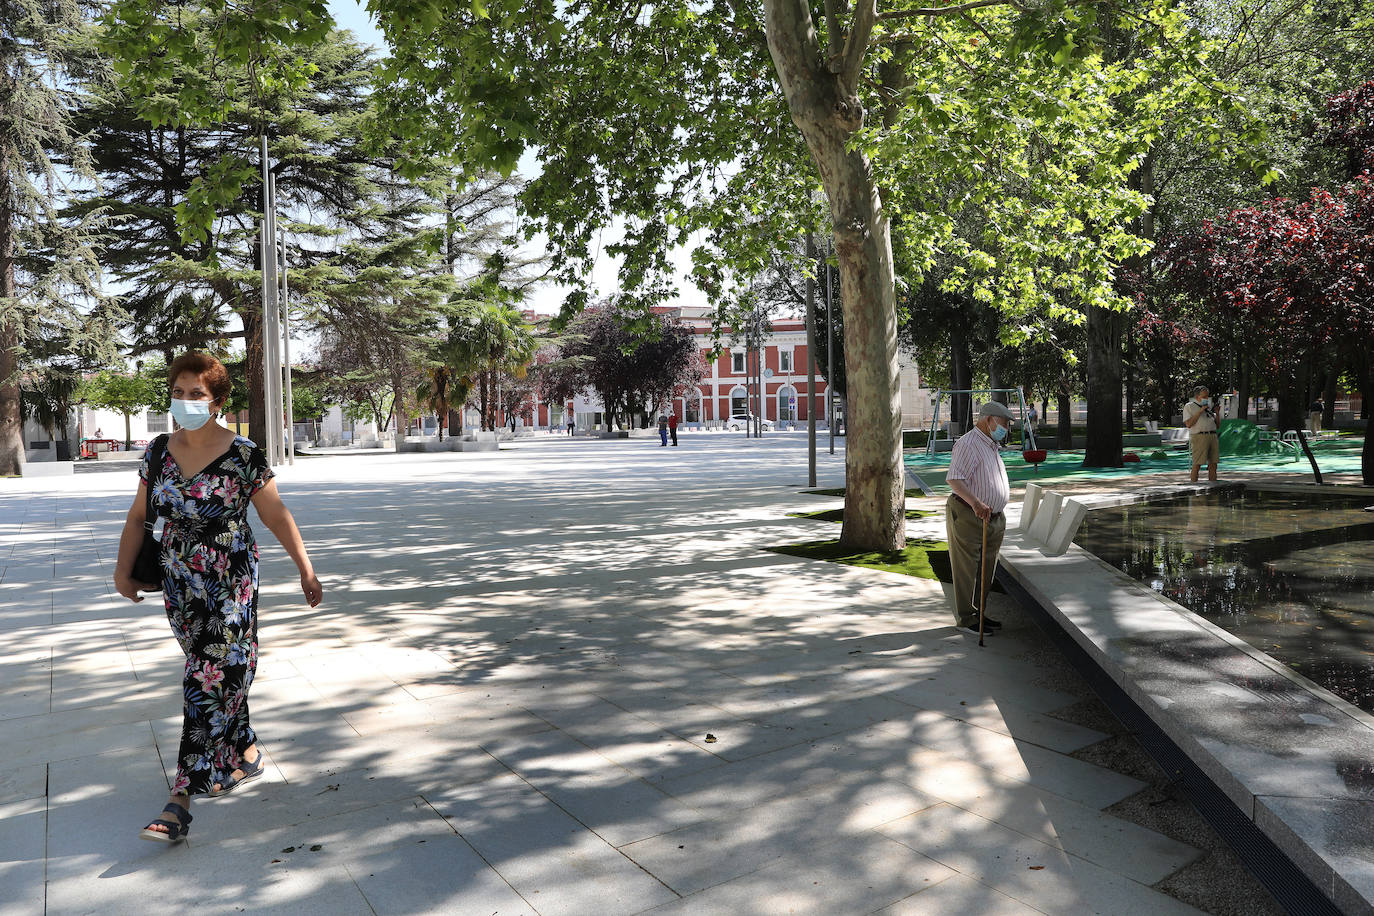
(1341, 457)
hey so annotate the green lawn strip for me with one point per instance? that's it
(923, 559)
(837, 515)
(839, 491)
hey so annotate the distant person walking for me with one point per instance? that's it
(978, 479)
(572, 420)
(1314, 416)
(1201, 421)
(672, 427)
(1033, 417)
(663, 430)
(202, 478)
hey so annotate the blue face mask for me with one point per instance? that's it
(191, 414)
(999, 432)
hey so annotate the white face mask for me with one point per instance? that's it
(191, 414)
(1204, 401)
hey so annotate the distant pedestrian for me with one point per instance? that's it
(1202, 433)
(663, 430)
(572, 420)
(1314, 416)
(99, 433)
(973, 514)
(672, 428)
(1033, 417)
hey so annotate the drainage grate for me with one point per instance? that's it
(1288, 884)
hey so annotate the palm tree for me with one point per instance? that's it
(443, 392)
(487, 339)
(47, 398)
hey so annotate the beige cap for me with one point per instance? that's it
(994, 409)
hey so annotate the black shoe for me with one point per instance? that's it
(990, 624)
(972, 630)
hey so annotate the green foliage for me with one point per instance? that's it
(308, 401)
(53, 317)
(123, 392)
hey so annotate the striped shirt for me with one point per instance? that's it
(976, 462)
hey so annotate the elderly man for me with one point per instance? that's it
(1202, 433)
(978, 479)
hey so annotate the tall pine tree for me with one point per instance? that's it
(49, 306)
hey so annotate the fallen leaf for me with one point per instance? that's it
(710, 738)
(1036, 867)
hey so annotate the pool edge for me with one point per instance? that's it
(1283, 854)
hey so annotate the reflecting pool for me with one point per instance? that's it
(1291, 574)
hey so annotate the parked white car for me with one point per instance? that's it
(740, 421)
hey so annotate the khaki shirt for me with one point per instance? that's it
(1205, 424)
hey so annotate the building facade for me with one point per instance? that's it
(726, 391)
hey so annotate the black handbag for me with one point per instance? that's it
(148, 564)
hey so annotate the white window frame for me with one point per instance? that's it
(737, 362)
(785, 361)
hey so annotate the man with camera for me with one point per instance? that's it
(1203, 442)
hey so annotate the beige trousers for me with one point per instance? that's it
(964, 531)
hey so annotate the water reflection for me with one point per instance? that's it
(1289, 574)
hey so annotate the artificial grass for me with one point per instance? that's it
(922, 559)
(837, 515)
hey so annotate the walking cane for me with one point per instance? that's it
(982, 580)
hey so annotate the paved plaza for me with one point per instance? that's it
(561, 679)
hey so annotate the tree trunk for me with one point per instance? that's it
(1126, 375)
(1367, 454)
(455, 422)
(1329, 398)
(1292, 408)
(1243, 391)
(994, 364)
(827, 110)
(257, 400)
(1064, 434)
(128, 433)
(961, 375)
(11, 417)
(1104, 389)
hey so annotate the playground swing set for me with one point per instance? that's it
(1032, 454)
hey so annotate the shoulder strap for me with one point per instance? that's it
(154, 468)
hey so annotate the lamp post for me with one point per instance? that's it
(829, 359)
(810, 365)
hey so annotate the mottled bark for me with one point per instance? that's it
(821, 95)
(257, 401)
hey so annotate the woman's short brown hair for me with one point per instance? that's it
(210, 371)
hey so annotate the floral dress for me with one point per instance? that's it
(210, 588)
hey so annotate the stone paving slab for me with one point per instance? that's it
(535, 675)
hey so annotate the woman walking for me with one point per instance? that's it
(202, 478)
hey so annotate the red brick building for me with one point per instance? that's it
(725, 388)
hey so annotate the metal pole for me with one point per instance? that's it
(286, 345)
(829, 360)
(758, 376)
(811, 365)
(266, 320)
(270, 327)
